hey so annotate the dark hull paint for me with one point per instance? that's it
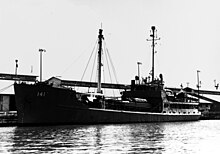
(45, 105)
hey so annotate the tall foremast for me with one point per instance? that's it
(100, 38)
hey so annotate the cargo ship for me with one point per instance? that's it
(45, 103)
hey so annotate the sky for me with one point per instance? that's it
(189, 33)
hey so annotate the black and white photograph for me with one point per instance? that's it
(109, 76)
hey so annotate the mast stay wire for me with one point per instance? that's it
(5, 88)
(103, 70)
(93, 66)
(68, 67)
(109, 71)
(112, 65)
(89, 60)
(108, 61)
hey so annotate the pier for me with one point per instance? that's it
(8, 118)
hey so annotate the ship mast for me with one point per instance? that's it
(100, 38)
(153, 46)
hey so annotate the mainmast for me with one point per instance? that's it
(153, 45)
(100, 38)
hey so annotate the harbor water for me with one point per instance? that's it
(166, 138)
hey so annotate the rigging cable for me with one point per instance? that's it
(89, 61)
(103, 72)
(68, 67)
(113, 68)
(109, 71)
(93, 66)
(5, 88)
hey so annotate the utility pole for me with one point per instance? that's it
(153, 46)
(139, 63)
(41, 51)
(16, 67)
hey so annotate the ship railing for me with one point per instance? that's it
(180, 111)
(8, 113)
(8, 117)
(184, 103)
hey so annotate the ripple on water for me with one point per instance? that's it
(179, 137)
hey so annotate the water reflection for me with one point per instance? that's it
(6, 135)
(187, 137)
(88, 139)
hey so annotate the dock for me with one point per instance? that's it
(8, 118)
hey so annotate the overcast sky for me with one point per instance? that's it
(68, 29)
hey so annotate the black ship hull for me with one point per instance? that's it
(45, 105)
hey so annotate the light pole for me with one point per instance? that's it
(41, 50)
(16, 67)
(139, 63)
